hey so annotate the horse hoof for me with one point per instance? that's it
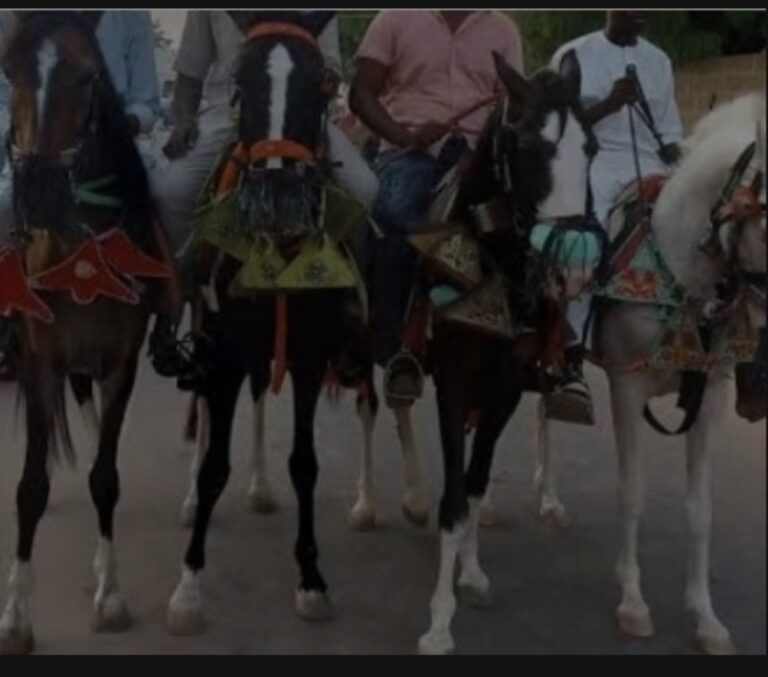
(477, 596)
(262, 500)
(487, 515)
(716, 645)
(555, 517)
(362, 518)
(184, 620)
(111, 615)
(415, 513)
(187, 515)
(312, 605)
(635, 623)
(16, 641)
(436, 644)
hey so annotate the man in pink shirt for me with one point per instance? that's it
(421, 76)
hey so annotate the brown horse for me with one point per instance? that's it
(71, 141)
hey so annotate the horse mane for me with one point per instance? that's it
(532, 186)
(681, 215)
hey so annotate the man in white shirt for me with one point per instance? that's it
(619, 72)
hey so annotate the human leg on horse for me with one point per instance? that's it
(637, 136)
(199, 138)
(407, 181)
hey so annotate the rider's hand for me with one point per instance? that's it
(624, 92)
(669, 153)
(183, 138)
(429, 133)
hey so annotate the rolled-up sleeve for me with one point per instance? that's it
(143, 97)
(379, 42)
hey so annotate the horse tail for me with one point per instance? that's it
(190, 427)
(50, 397)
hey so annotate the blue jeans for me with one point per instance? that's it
(406, 182)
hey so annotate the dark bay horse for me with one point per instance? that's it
(70, 140)
(534, 154)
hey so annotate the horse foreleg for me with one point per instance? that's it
(474, 584)
(312, 601)
(362, 517)
(185, 609)
(16, 636)
(629, 393)
(261, 496)
(110, 611)
(551, 511)
(711, 635)
(202, 437)
(415, 507)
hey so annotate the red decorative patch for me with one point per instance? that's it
(86, 275)
(637, 284)
(126, 258)
(651, 186)
(15, 294)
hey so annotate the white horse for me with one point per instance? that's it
(680, 222)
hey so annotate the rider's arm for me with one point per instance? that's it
(622, 93)
(374, 59)
(197, 52)
(143, 96)
(368, 85)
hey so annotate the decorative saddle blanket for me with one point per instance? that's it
(315, 260)
(639, 274)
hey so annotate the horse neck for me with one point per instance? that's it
(681, 218)
(477, 183)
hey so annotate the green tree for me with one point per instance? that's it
(684, 35)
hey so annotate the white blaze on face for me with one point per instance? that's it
(279, 67)
(47, 57)
(569, 168)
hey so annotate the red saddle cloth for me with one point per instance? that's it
(86, 275)
(15, 294)
(126, 258)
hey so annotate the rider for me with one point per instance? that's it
(619, 71)
(418, 70)
(126, 39)
(205, 65)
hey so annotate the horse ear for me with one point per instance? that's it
(519, 89)
(570, 70)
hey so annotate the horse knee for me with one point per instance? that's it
(32, 495)
(303, 467)
(213, 477)
(104, 484)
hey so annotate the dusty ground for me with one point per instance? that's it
(554, 591)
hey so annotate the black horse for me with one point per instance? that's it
(282, 116)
